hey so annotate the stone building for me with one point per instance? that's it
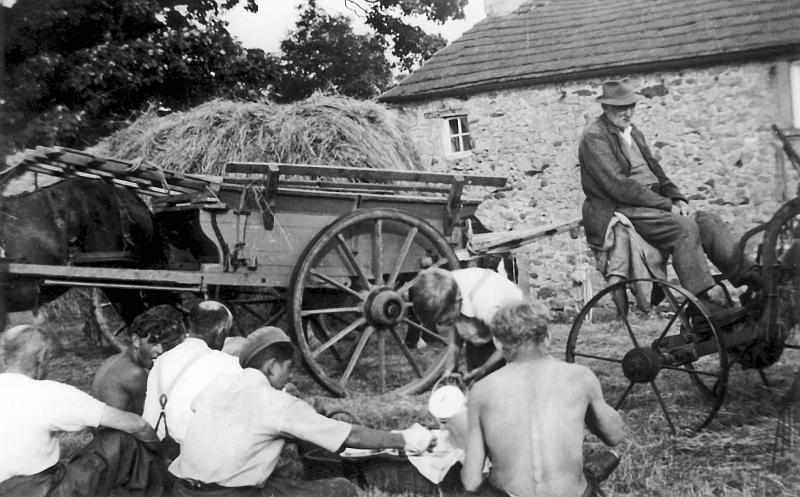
(513, 94)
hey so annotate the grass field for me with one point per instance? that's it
(732, 457)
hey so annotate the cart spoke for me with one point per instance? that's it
(351, 365)
(405, 351)
(335, 283)
(657, 392)
(329, 310)
(335, 338)
(401, 257)
(382, 360)
(351, 259)
(319, 331)
(377, 252)
(425, 330)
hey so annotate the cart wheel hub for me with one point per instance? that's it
(384, 307)
(641, 365)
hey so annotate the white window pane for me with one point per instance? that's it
(794, 73)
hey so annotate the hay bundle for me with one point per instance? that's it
(328, 130)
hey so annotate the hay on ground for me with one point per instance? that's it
(328, 130)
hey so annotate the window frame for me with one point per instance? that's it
(464, 137)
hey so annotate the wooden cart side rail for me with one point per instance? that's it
(359, 173)
(155, 279)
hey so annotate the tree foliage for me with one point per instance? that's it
(323, 52)
(74, 69)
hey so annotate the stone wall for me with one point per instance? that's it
(709, 127)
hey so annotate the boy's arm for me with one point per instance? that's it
(127, 422)
(601, 419)
(453, 350)
(479, 372)
(475, 453)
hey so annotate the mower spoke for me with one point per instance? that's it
(657, 393)
(624, 395)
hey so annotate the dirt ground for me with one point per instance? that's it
(733, 457)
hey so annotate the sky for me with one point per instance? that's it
(275, 18)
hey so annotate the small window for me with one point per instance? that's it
(458, 134)
(794, 78)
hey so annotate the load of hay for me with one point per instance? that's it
(329, 130)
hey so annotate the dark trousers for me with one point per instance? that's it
(275, 487)
(689, 241)
(476, 355)
(114, 463)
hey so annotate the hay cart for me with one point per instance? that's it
(332, 249)
(671, 365)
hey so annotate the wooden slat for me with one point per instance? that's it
(363, 173)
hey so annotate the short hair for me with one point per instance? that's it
(519, 323)
(281, 351)
(160, 324)
(208, 316)
(434, 291)
(24, 340)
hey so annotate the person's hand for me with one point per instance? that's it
(418, 439)
(681, 208)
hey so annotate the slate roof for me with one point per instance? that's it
(545, 41)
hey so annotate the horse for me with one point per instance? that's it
(64, 224)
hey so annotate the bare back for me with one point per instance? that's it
(121, 383)
(532, 419)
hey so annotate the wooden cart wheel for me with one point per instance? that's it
(649, 364)
(349, 309)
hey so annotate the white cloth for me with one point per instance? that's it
(31, 414)
(182, 373)
(481, 299)
(238, 430)
(435, 464)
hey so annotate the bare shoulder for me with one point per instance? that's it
(578, 374)
(122, 370)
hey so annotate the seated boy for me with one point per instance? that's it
(121, 381)
(240, 424)
(463, 302)
(530, 415)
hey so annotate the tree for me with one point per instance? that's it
(324, 52)
(76, 69)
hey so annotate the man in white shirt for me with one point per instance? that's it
(241, 422)
(179, 374)
(34, 410)
(463, 302)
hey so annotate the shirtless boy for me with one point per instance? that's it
(529, 416)
(121, 381)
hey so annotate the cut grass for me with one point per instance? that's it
(732, 458)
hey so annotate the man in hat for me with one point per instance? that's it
(241, 422)
(121, 381)
(35, 410)
(179, 374)
(619, 174)
(529, 416)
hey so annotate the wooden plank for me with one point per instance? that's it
(362, 173)
(148, 277)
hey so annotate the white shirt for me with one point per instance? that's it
(182, 373)
(238, 430)
(31, 414)
(626, 135)
(481, 299)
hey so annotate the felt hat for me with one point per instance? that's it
(617, 93)
(259, 340)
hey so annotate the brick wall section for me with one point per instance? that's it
(709, 127)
